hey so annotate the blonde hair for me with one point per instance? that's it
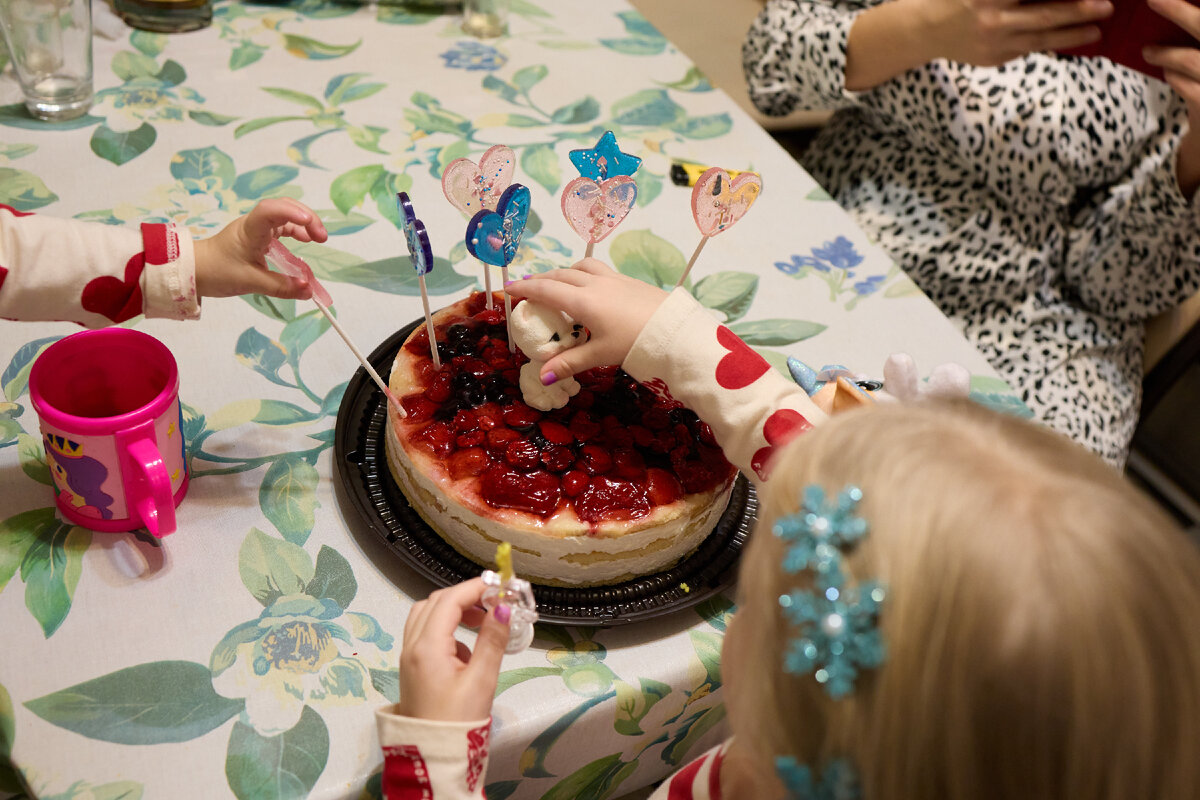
(1042, 619)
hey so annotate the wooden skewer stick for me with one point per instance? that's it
(512, 347)
(433, 352)
(383, 387)
(691, 261)
(487, 283)
(590, 247)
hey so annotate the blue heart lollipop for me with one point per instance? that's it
(494, 236)
(418, 238)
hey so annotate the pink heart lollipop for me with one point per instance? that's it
(718, 201)
(290, 264)
(595, 209)
(473, 188)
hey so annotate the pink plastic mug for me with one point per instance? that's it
(108, 403)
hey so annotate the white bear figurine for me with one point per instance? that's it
(543, 333)
(902, 382)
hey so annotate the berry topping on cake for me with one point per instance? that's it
(614, 452)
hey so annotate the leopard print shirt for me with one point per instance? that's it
(1036, 203)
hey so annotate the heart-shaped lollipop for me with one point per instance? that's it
(472, 187)
(595, 209)
(718, 201)
(494, 236)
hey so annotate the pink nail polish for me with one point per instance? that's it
(503, 613)
(549, 378)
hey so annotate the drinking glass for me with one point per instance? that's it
(485, 19)
(50, 45)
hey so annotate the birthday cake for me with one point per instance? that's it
(617, 484)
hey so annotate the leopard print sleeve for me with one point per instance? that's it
(794, 56)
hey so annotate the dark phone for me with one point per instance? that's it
(1132, 26)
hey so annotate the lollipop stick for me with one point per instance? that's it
(691, 261)
(383, 387)
(433, 351)
(487, 284)
(590, 247)
(512, 348)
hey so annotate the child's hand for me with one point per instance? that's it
(234, 262)
(440, 679)
(613, 307)
(1181, 68)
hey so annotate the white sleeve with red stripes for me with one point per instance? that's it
(685, 354)
(698, 780)
(428, 760)
(53, 268)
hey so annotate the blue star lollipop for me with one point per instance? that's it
(605, 160)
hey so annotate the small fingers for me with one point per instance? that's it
(414, 623)
(572, 362)
(489, 647)
(594, 266)
(554, 290)
(447, 607)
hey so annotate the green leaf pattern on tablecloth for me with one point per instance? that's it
(306, 650)
(661, 720)
(14, 784)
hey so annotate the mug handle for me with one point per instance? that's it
(148, 487)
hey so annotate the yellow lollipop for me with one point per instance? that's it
(504, 562)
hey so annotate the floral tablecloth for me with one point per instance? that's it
(245, 655)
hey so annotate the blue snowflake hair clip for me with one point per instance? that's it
(835, 624)
(836, 632)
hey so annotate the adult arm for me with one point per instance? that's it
(916, 67)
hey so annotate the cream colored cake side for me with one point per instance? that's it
(542, 551)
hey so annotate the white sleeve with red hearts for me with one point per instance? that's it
(52, 268)
(684, 353)
(428, 760)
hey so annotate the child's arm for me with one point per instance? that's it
(53, 268)
(65, 269)
(435, 740)
(674, 345)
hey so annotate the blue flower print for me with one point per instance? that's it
(869, 285)
(800, 262)
(474, 56)
(840, 253)
(834, 262)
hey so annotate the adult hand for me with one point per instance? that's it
(440, 678)
(233, 262)
(613, 307)
(891, 38)
(1181, 69)
(988, 33)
